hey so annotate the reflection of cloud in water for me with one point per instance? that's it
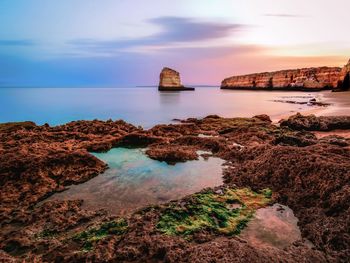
(134, 181)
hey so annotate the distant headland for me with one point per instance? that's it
(169, 80)
(308, 79)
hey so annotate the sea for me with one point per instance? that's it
(144, 106)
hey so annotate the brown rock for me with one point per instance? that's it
(313, 123)
(313, 181)
(172, 154)
(36, 161)
(263, 117)
(14, 126)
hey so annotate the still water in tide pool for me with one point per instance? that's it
(272, 226)
(133, 180)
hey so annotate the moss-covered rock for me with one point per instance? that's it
(91, 236)
(46, 233)
(224, 211)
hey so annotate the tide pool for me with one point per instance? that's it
(133, 180)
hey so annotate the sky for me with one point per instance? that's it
(127, 42)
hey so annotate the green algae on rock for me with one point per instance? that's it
(224, 211)
(46, 234)
(91, 236)
(267, 192)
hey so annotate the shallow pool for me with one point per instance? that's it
(133, 180)
(274, 226)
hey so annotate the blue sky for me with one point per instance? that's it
(127, 42)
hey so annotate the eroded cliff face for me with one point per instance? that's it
(169, 79)
(344, 78)
(297, 79)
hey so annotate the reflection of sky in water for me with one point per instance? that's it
(274, 226)
(140, 106)
(134, 180)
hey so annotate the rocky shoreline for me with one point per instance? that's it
(310, 175)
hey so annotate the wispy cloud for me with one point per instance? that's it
(284, 15)
(173, 31)
(177, 29)
(16, 42)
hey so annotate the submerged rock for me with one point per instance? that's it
(169, 79)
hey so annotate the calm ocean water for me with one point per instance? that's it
(140, 106)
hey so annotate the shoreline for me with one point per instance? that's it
(339, 105)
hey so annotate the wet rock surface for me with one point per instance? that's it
(313, 123)
(311, 102)
(36, 161)
(173, 154)
(309, 175)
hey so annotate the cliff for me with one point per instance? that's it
(344, 78)
(169, 79)
(319, 78)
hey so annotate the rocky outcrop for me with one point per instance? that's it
(313, 123)
(311, 79)
(36, 161)
(172, 155)
(344, 78)
(309, 175)
(169, 79)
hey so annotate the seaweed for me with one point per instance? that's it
(91, 236)
(46, 233)
(266, 192)
(223, 212)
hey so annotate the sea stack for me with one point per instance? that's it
(305, 79)
(169, 79)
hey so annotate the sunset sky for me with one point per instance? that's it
(127, 42)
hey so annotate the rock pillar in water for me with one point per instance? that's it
(169, 79)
